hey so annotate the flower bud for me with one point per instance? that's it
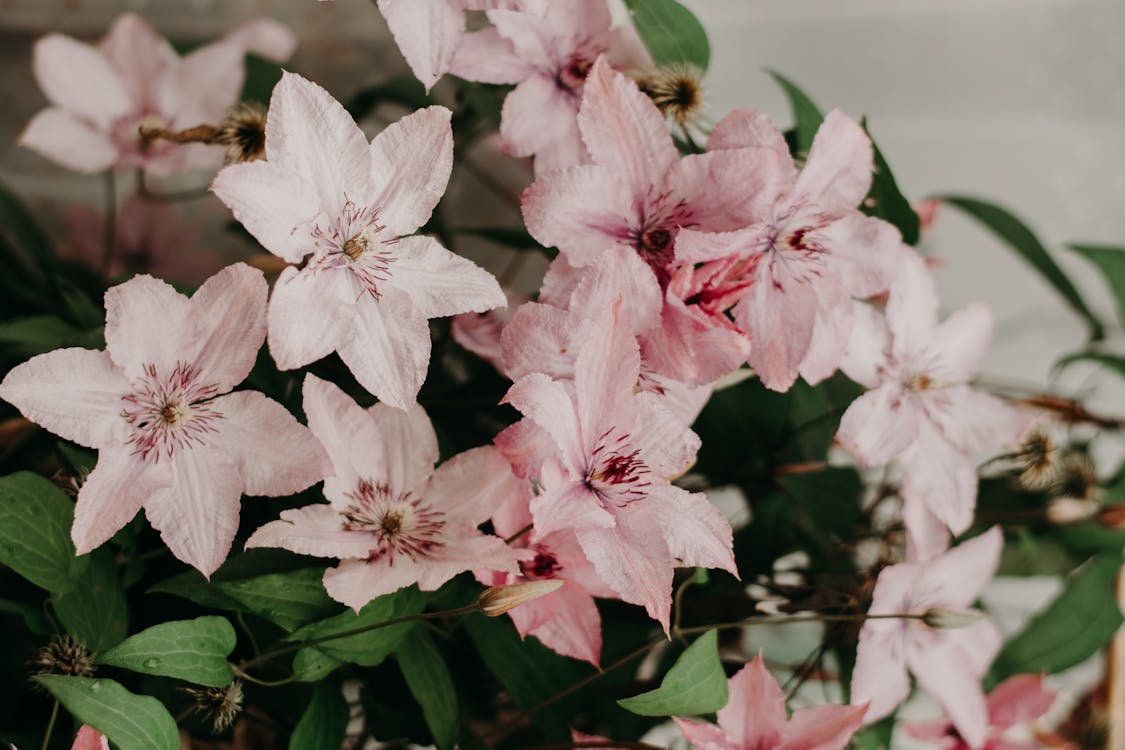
(499, 600)
(940, 618)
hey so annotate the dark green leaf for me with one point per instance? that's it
(806, 115)
(290, 599)
(193, 650)
(1074, 627)
(131, 722)
(324, 722)
(41, 333)
(312, 665)
(261, 76)
(35, 519)
(373, 646)
(1111, 262)
(696, 684)
(1020, 238)
(95, 611)
(875, 736)
(26, 235)
(1108, 361)
(887, 202)
(671, 32)
(431, 685)
(249, 564)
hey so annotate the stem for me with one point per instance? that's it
(51, 725)
(110, 221)
(264, 683)
(786, 619)
(518, 534)
(249, 634)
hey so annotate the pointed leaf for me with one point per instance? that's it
(806, 115)
(372, 646)
(289, 600)
(1111, 262)
(312, 665)
(131, 722)
(1108, 361)
(95, 611)
(37, 334)
(431, 685)
(671, 32)
(325, 721)
(696, 684)
(886, 200)
(35, 519)
(192, 650)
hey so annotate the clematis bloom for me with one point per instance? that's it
(1015, 701)
(391, 518)
(947, 663)
(755, 718)
(156, 405)
(100, 95)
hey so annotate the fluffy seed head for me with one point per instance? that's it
(676, 90)
(219, 704)
(1039, 459)
(243, 132)
(63, 655)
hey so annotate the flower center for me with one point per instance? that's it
(354, 242)
(573, 75)
(617, 474)
(544, 565)
(400, 524)
(169, 413)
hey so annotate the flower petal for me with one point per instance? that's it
(866, 352)
(938, 474)
(62, 137)
(230, 314)
(690, 348)
(755, 713)
(780, 316)
(1018, 700)
(311, 314)
(582, 211)
(205, 83)
(619, 272)
(751, 128)
(548, 404)
(864, 253)
(350, 436)
(962, 341)
(409, 445)
(264, 37)
(112, 494)
(880, 677)
(536, 114)
(703, 736)
(837, 173)
(539, 339)
(147, 323)
(469, 487)
(822, 727)
(879, 425)
(139, 55)
(912, 307)
(727, 190)
(356, 582)
(410, 165)
(975, 421)
(566, 621)
(440, 283)
(941, 670)
(831, 331)
(695, 530)
(564, 505)
(668, 445)
(389, 349)
(275, 205)
(316, 530)
(427, 32)
(605, 373)
(955, 580)
(487, 57)
(80, 78)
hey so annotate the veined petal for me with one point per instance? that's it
(941, 671)
(755, 713)
(975, 421)
(63, 138)
(582, 211)
(957, 578)
(548, 404)
(409, 445)
(468, 549)
(729, 189)
(779, 316)
(695, 530)
(694, 246)
(822, 727)
(566, 621)
(567, 505)
(666, 442)
(314, 530)
(880, 678)
(864, 253)
(831, 331)
(78, 77)
(427, 32)
(527, 446)
(704, 736)
(879, 425)
(389, 349)
(311, 314)
(751, 128)
(230, 314)
(112, 494)
(410, 165)
(536, 114)
(473, 484)
(351, 438)
(356, 582)
(203, 84)
(148, 323)
(487, 57)
(619, 272)
(139, 55)
(606, 371)
(937, 473)
(276, 205)
(866, 353)
(689, 348)
(837, 173)
(539, 339)
(74, 393)
(633, 560)
(440, 283)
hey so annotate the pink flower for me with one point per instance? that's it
(100, 95)
(947, 663)
(391, 518)
(153, 405)
(1015, 701)
(607, 481)
(480, 332)
(920, 408)
(90, 739)
(755, 719)
(791, 274)
(368, 289)
(547, 53)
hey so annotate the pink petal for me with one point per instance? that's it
(695, 530)
(276, 455)
(74, 393)
(831, 332)
(390, 348)
(582, 211)
(440, 283)
(427, 32)
(316, 530)
(955, 580)
(311, 314)
(563, 505)
(205, 83)
(526, 445)
(350, 436)
(864, 253)
(566, 621)
(879, 425)
(409, 444)
(548, 404)
(912, 307)
(962, 341)
(356, 582)
(536, 114)
(866, 353)
(466, 549)
(112, 494)
(410, 165)
(938, 474)
(66, 139)
(564, 152)
(225, 353)
(689, 348)
(880, 677)
(693, 246)
(532, 37)
(90, 739)
(975, 421)
(605, 373)
(559, 282)
(755, 713)
(275, 205)
(620, 272)
(837, 173)
(539, 339)
(139, 55)
(779, 318)
(726, 190)
(469, 486)
(751, 128)
(147, 323)
(941, 671)
(311, 134)
(822, 727)
(667, 444)
(264, 37)
(927, 536)
(703, 736)
(80, 79)
(487, 57)
(623, 129)
(197, 516)
(1019, 700)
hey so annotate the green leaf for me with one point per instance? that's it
(888, 201)
(696, 684)
(27, 337)
(1108, 361)
(371, 647)
(289, 600)
(312, 665)
(131, 722)
(95, 611)
(431, 685)
(806, 115)
(191, 585)
(325, 721)
(261, 76)
(1074, 627)
(35, 519)
(671, 33)
(1111, 262)
(1020, 238)
(193, 650)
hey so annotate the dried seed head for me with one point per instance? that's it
(63, 655)
(1078, 478)
(499, 600)
(676, 90)
(1039, 459)
(243, 132)
(219, 704)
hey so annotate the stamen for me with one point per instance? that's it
(400, 524)
(166, 413)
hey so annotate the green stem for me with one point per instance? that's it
(51, 725)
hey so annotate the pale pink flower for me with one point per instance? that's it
(369, 288)
(156, 405)
(547, 52)
(100, 95)
(1015, 701)
(947, 663)
(567, 620)
(755, 718)
(639, 192)
(614, 451)
(391, 519)
(480, 332)
(806, 258)
(90, 739)
(920, 409)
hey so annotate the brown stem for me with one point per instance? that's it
(1069, 410)
(197, 134)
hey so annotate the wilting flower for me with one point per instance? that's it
(947, 663)
(368, 289)
(1015, 701)
(391, 518)
(608, 478)
(755, 719)
(157, 407)
(90, 739)
(921, 409)
(101, 95)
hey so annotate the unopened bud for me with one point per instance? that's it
(500, 600)
(948, 619)
(1067, 510)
